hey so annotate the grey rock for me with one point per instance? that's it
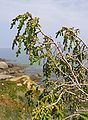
(3, 65)
(3, 77)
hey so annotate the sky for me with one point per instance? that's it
(53, 15)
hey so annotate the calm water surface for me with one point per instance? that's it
(8, 54)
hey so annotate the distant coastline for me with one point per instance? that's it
(9, 56)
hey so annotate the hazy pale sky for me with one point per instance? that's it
(53, 15)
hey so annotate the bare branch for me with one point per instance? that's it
(70, 116)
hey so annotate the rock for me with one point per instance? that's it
(10, 65)
(3, 77)
(1, 59)
(35, 78)
(3, 73)
(10, 69)
(19, 84)
(3, 65)
(11, 72)
(26, 80)
(20, 71)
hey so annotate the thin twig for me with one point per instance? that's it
(56, 101)
(70, 116)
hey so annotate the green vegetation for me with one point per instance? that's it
(64, 57)
(13, 104)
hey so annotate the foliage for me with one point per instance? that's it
(63, 57)
(83, 116)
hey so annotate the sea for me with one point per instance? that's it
(10, 56)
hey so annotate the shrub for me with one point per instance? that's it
(64, 57)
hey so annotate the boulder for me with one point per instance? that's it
(3, 65)
(3, 77)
